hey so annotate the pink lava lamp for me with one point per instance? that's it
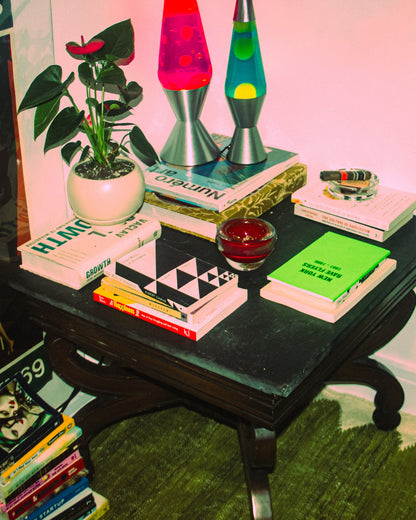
(185, 72)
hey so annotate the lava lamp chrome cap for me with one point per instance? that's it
(244, 11)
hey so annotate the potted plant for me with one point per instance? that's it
(105, 186)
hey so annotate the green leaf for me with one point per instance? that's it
(142, 148)
(132, 91)
(111, 74)
(46, 86)
(62, 127)
(118, 41)
(69, 150)
(85, 153)
(85, 74)
(45, 114)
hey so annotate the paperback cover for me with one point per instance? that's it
(103, 505)
(323, 309)
(31, 457)
(75, 253)
(174, 277)
(218, 184)
(329, 267)
(203, 222)
(383, 211)
(226, 305)
(25, 419)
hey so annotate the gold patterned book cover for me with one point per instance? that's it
(204, 222)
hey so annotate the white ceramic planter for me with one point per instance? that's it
(106, 202)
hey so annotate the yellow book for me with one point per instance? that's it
(103, 505)
(121, 289)
(18, 466)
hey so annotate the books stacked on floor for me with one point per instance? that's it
(203, 222)
(74, 253)
(43, 465)
(171, 289)
(219, 184)
(329, 277)
(377, 218)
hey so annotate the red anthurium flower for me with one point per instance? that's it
(92, 46)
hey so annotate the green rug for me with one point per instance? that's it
(176, 464)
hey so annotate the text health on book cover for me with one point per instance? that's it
(330, 266)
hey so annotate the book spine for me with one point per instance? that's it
(137, 313)
(339, 222)
(41, 489)
(143, 300)
(77, 511)
(30, 456)
(59, 500)
(38, 465)
(319, 204)
(9, 493)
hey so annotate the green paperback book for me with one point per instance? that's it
(330, 267)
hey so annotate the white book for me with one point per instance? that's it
(379, 235)
(75, 253)
(324, 310)
(218, 184)
(383, 211)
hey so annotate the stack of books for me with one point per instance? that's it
(377, 218)
(75, 253)
(329, 277)
(197, 200)
(43, 472)
(171, 289)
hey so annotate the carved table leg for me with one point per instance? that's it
(120, 393)
(258, 450)
(361, 369)
(389, 396)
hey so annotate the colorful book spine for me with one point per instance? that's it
(226, 305)
(31, 455)
(39, 490)
(37, 466)
(64, 497)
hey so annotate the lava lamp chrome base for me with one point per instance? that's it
(246, 145)
(189, 143)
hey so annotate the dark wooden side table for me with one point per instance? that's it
(255, 371)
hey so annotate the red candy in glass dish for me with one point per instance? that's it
(246, 242)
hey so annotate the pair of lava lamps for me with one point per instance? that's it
(185, 73)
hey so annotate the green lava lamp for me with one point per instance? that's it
(245, 87)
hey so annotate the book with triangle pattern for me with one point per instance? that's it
(174, 277)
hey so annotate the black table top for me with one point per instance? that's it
(263, 346)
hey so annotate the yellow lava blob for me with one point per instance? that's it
(245, 91)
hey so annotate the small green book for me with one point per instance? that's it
(330, 267)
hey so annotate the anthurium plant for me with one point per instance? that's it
(109, 99)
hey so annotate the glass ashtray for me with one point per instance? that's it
(354, 190)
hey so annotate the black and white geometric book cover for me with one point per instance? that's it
(178, 279)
